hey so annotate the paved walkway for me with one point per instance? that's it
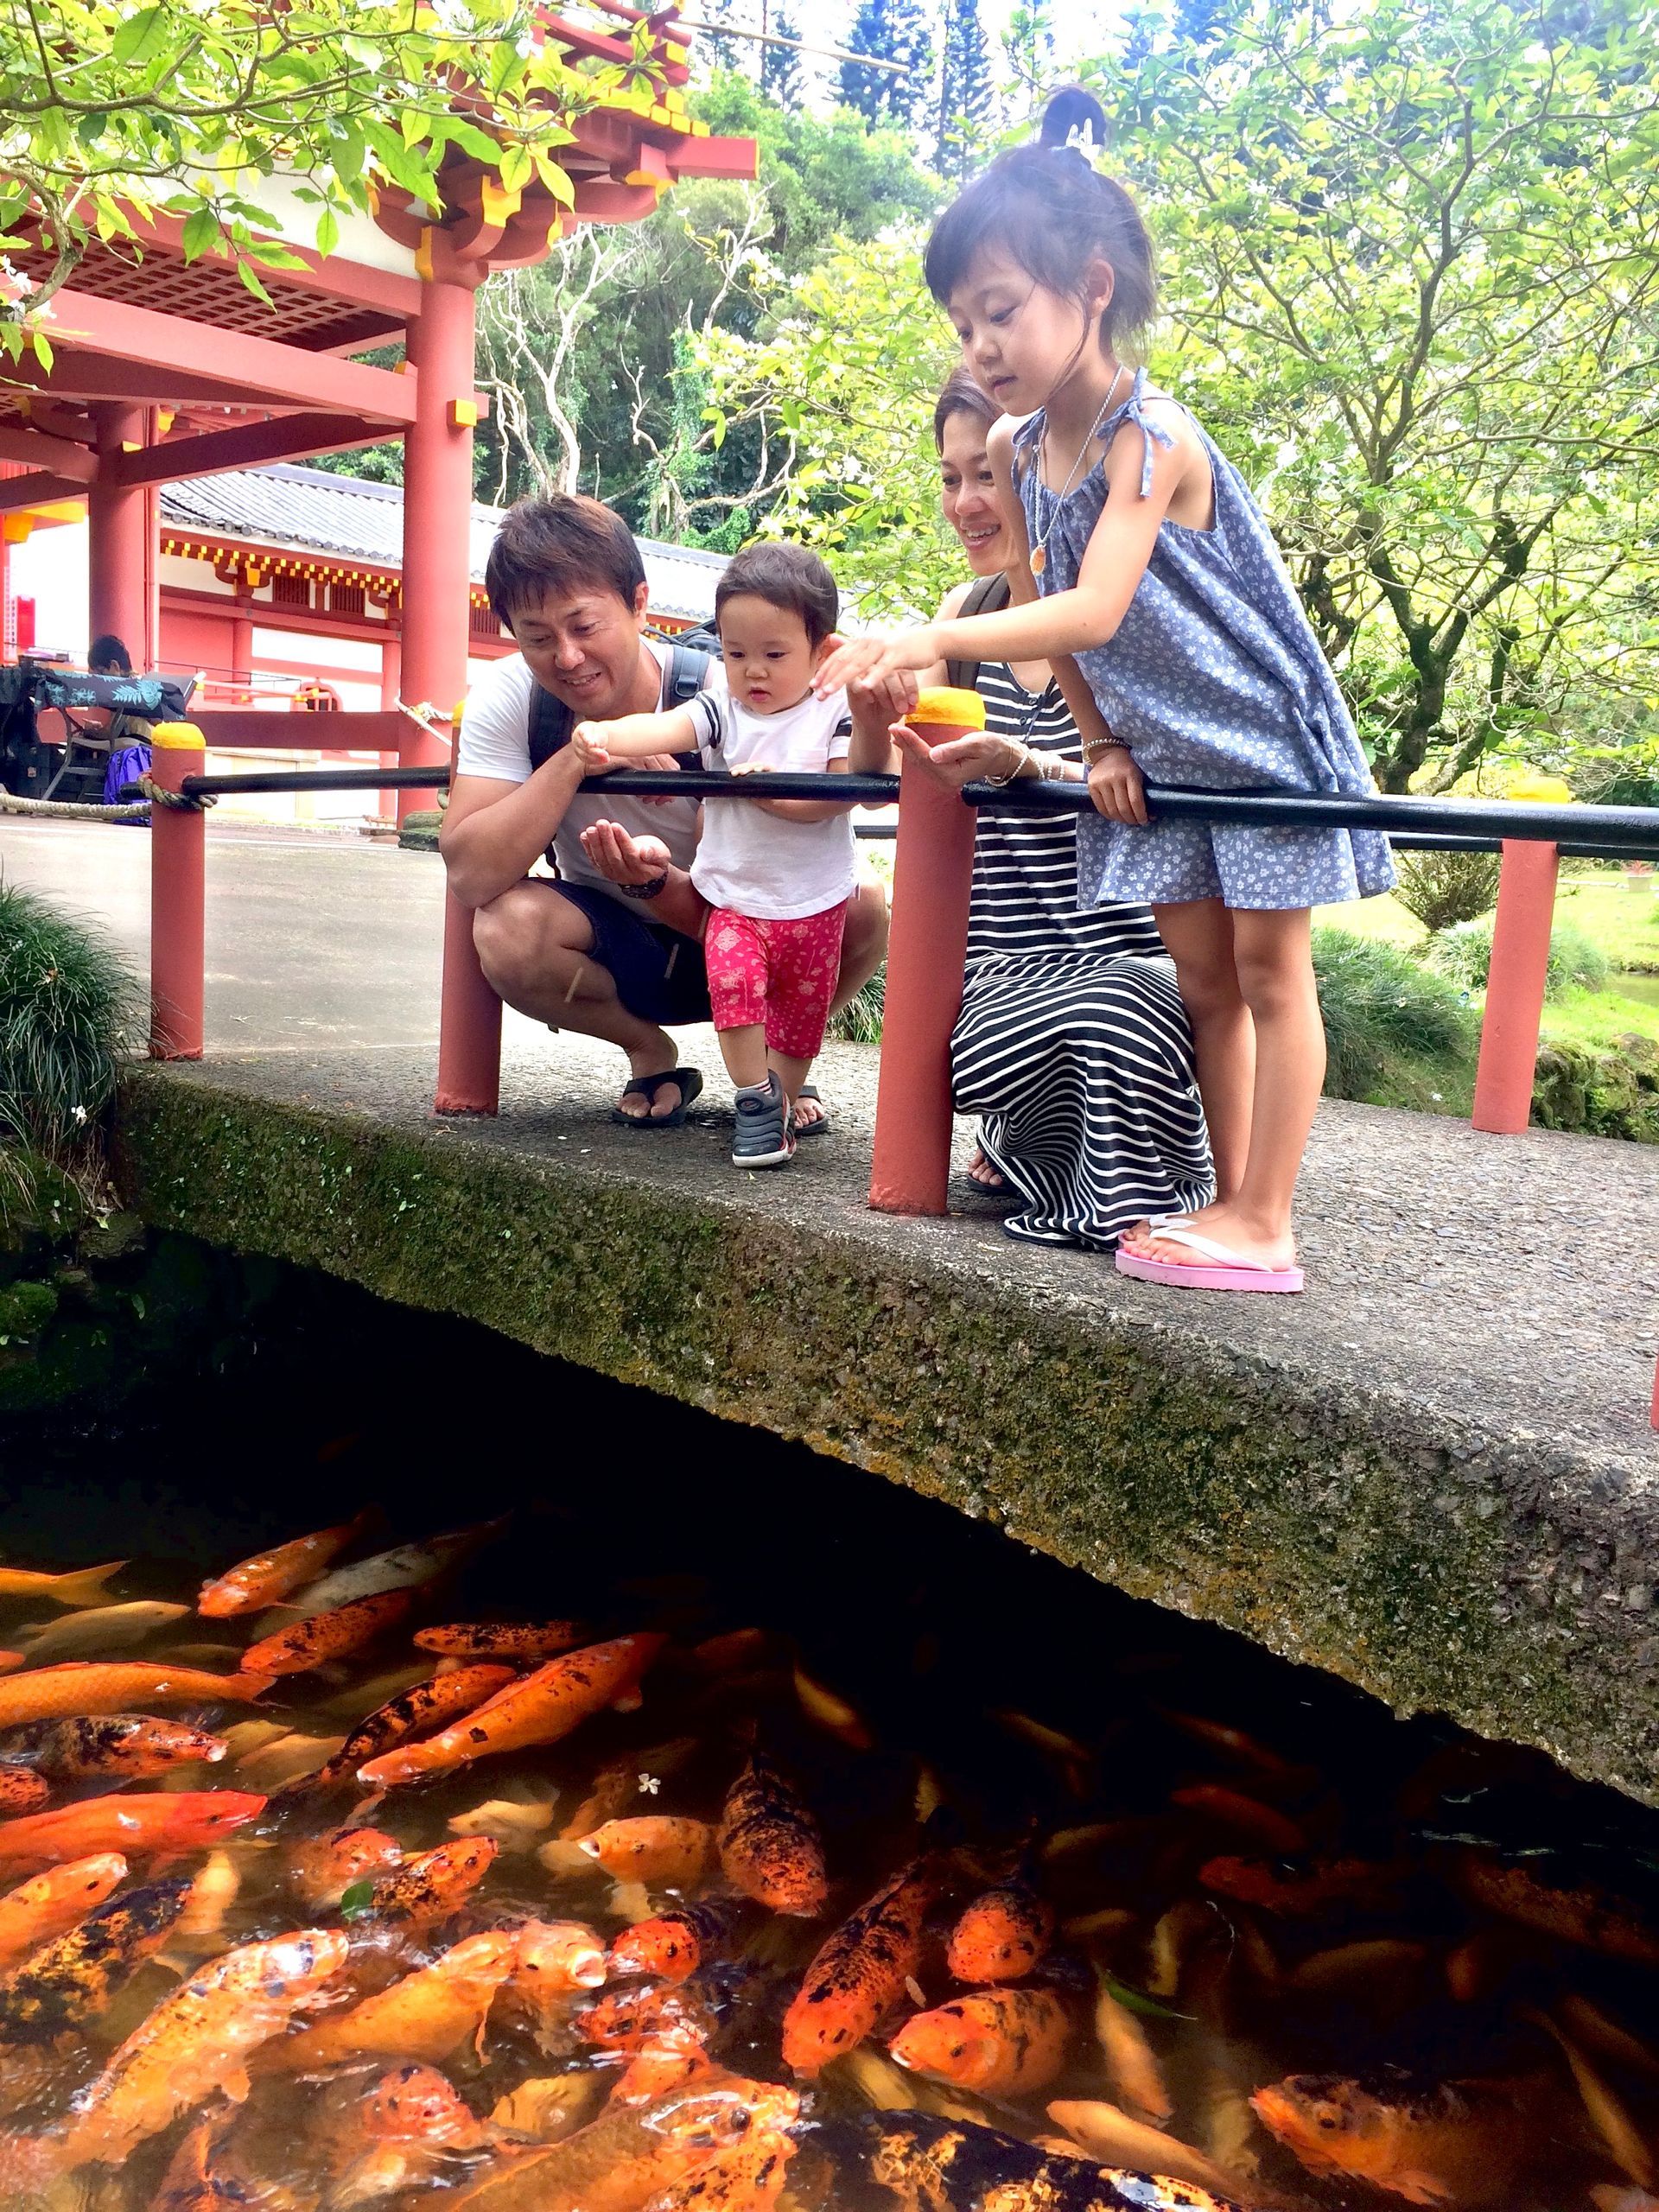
(1513, 1283)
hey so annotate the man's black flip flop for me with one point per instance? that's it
(646, 1087)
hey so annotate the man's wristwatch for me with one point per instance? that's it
(650, 890)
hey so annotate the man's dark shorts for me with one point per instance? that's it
(659, 974)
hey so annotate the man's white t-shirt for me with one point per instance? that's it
(755, 863)
(495, 742)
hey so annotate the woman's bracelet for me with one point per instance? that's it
(1093, 747)
(1022, 755)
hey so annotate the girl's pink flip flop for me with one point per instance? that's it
(1229, 1270)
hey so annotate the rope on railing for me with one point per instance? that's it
(74, 810)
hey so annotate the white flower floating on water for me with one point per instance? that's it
(649, 1784)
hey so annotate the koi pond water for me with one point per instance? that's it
(480, 1785)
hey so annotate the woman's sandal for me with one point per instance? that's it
(818, 1128)
(1228, 1270)
(646, 1087)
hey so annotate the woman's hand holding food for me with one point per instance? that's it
(960, 760)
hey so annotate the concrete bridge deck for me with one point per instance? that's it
(1434, 1474)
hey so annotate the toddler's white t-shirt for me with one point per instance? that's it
(748, 860)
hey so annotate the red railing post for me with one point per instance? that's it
(178, 873)
(469, 1023)
(1515, 987)
(932, 879)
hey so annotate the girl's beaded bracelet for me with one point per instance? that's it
(1093, 747)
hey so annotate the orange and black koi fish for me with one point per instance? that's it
(671, 1946)
(21, 1791)
(749, 2177)
(322, 1868)
(72, 1981)
(193, 2045)
(859, 1972)
(83, 1586)
(1002, 1934)
(1595, 1918)
(655, 1847)
(414, 1711)
(552, 1960)
(927, 2163)
(539, 1708)
(48, 1904)
(322, 1637)
(523, 1642)
(770, 1846)
(1003, 2043)
(411, 2128)
(269, 1577)
(1429, 2142)
(83, 1686)
(135, 1747)
(641, 2013)
(181, 1820)
(429, 1887)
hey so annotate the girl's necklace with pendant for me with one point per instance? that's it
(1038, 560)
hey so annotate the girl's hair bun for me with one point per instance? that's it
(1072, 110)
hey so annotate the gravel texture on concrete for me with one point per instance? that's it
(1435, 1473)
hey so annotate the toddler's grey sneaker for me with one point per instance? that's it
(762, 1137)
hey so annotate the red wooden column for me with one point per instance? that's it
(435, 627)
(1515, 987)
(932, 880)
(178, 862)
(121, 558)
(392, 677)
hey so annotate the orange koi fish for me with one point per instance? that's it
(134, 1746)
(47, 1905)
(83, 1586)
(1132, 2069)
(21, 1791)
(643, 2013)
(429, 1887)
(1231, 1808)
(11, 1661)
(858, 1973)
(72, 1981)
(661, 2063)
(414, 1711)
(673, 1945)
(197, 2179)
(1001, 1934)
(322, 1637)
(425, 2016)
(770, 1847)
(555, 1957)
(747, 2178)
(538, 1709)
(618, 1785)
(1302, 1893)
(631, 2153)
(520, 1641)
(1594, 1918)
(1431, 2143)
(269, 1577)
(193, 2045)
(414, 2124)
(180, 1820)
(322, 1868)
(658, 1848)
(83, 1686)
(1004, 2043)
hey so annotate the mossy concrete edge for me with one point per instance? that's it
(1443, 1573)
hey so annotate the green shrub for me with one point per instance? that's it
(1395, 1033)
(1606, 1094)
(68, 1014)
(1465, 953)
(859, 1022)
(1445, 888)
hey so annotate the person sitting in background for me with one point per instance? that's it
(107, 656)
(1073, 1044)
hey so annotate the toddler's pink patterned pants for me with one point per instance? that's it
(782, 974)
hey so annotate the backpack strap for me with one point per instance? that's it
(688, 666)
(550, 724)
(986, 595)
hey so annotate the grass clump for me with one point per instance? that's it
(68, 1015)
(859, 1022)
(1577, 961)
(1445, 888)
(1395, 1035)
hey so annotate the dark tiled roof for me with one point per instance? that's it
(314, 511)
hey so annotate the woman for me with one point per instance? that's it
(1073, 1044)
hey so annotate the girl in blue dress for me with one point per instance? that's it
(1191, 663)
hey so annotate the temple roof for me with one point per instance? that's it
(312, 511)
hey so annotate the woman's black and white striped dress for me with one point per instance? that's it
(1072, 1043)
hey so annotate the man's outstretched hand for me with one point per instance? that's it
(622, 859)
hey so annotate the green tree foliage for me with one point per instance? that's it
(783, 75)
(967, 90)
(1411, 257)
(111, 110)
(890, 31)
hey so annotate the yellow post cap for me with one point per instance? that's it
(954, 709)
(178, 736)
(1542, 789)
